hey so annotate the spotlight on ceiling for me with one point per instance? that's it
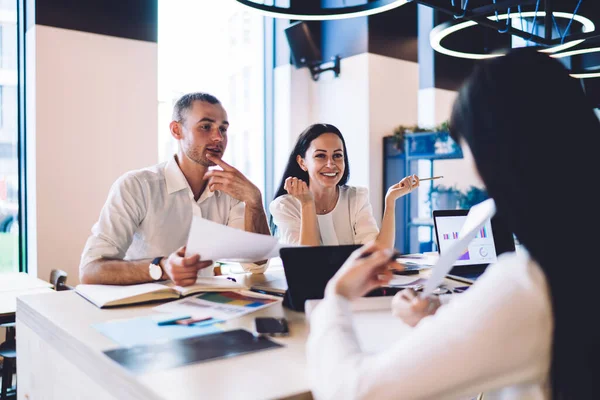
(309, 10)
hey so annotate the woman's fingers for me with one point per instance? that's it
(295, 186)
(303, 186)
(416, 181)
(408, 294)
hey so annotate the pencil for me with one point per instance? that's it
(429, 179)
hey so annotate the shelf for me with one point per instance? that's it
(421, 222)
(434, 156)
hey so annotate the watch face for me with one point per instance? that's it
(155, 271)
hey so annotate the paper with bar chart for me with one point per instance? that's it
(481, 249)
(476, 223)
(219, 305)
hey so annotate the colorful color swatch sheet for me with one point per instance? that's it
(220, 305)
(234, 299)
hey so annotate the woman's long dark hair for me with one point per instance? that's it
(302, 144)
(535, 141)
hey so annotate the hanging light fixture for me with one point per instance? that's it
(443, 30)
(311, 10)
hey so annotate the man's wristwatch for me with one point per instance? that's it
(155, 269)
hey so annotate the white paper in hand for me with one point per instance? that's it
(476, 219)
(214, 241)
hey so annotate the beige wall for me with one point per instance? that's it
(92, 115)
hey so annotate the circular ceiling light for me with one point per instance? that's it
(576, 52)
(306, 11)
(586, 75)
(443, 30)
(580, 75)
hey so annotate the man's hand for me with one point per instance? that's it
(232, 182)
(183, 270)
(299, 189)
(366, 269)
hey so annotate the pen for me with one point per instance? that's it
(172, 321)
(266, 292)
(393, 257)
(191, 321)
(430, 179)
(405, 271)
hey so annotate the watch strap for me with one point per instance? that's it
(157, 261)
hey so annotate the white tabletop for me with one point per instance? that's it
(13, 284)
(63, 320)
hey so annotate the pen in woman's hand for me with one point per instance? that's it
(430, 179)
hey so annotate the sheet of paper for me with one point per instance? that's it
(145, 330)
(219, 242)
(219, 305)
(477, 217)
(408, 280)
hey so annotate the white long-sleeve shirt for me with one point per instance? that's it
(350, 222)
(148, 214)
(494, 338)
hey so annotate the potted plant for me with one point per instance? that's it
(472, 196)
(420, 144)
(434, 139)
(444, 197)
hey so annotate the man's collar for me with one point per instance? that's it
(176, 180)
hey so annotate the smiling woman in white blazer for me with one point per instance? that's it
(314, 206)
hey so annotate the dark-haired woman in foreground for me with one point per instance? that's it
(313, 204)
(523, 330)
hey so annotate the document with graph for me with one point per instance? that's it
(220, 305)
(458, 249)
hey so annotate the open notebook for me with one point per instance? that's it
(116, 295)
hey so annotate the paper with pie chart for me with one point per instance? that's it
(464, 241)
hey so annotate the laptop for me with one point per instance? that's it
(308, 269)
(491, 241)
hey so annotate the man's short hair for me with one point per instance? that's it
(186, 102)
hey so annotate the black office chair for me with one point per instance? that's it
(58, 279)
(8, 351)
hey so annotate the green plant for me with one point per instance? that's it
(443, 197)
(400, 130)
(473, 195)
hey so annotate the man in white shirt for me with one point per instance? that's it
(143, 226)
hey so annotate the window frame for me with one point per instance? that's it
(21, 136)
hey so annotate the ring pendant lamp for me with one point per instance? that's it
(443, 30)
(306, 10)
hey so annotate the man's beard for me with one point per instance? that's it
(198, 158)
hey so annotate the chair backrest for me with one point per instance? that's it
(58, 278)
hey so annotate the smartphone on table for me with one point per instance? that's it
(269, 326)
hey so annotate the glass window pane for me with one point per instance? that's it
(221, 53)
(9, 180)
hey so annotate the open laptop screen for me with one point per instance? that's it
(481, 250)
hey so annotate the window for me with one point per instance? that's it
(9, 161)
(212, 54)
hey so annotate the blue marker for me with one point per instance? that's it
(172, 321)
